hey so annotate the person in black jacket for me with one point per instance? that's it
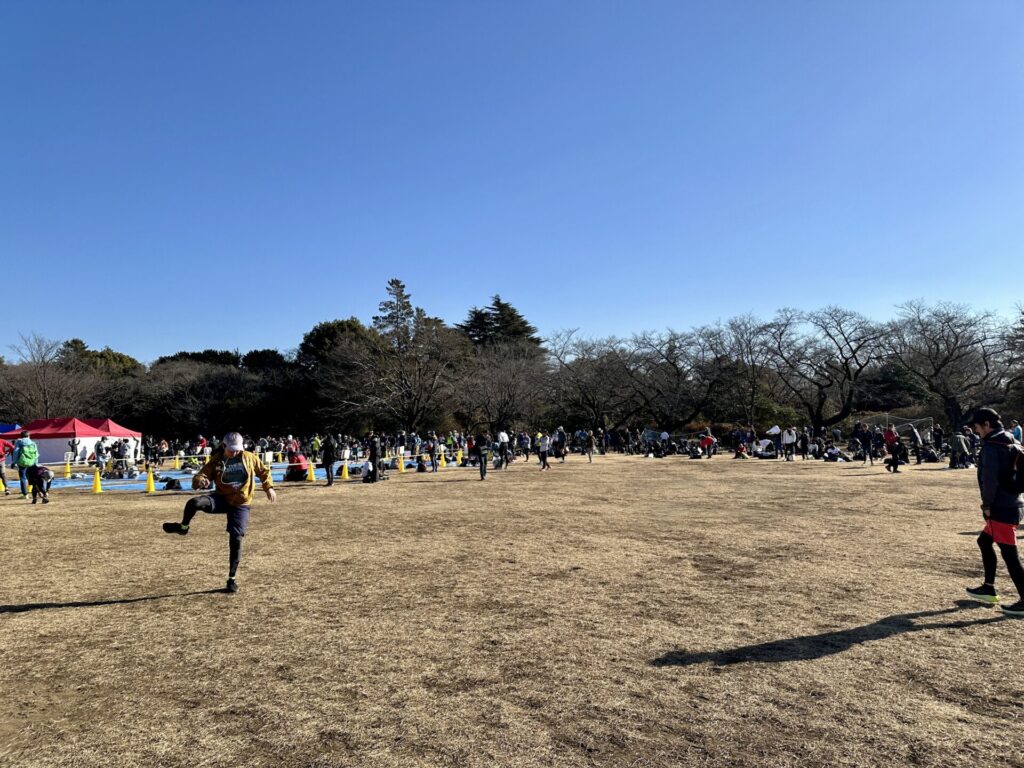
(330, 456)
(1001, 509)
(482, 447)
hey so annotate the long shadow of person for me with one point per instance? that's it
(809, 647)
(24, 608)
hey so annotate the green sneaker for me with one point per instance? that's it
(986, 593)
(176, 528)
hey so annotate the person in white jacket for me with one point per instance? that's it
(789, 443)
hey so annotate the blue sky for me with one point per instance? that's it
(226, 174)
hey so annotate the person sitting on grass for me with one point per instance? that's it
(232, 472)
(1000, 509)
(741, 451)
(834, 454)
(298, 467)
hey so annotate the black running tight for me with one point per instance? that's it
(1010, 557)
(205, 504)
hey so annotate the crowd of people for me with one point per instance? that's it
(230, 466)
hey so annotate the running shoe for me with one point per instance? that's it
(232, 586)
(1017, 609)
(986, 593)
(175, 528)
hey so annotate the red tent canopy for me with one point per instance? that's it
(47, 429)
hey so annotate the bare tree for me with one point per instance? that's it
(674, 374)
(751, 380)
(962, 357)
(819, 357)
(500, 382)
(591, 379)
(41, 384)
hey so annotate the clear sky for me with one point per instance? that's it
(183, 175)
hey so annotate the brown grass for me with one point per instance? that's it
(629, 613)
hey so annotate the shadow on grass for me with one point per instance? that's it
(95, 603)
(809, 647)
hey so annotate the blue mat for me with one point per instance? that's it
(277, 472)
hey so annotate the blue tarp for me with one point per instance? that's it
(139, 483)
(9, 427)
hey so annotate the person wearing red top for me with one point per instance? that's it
(893, 446)
(298, 466)
(6, 449)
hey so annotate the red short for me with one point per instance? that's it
(1001, 533)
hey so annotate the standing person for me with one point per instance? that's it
(483, 443)
(26, 454)
(589, 446)
(330, 455)
(100, 452)
(789, 439)
(6, 449)
(233, 472)
(433, 449)
(561, 442)
(1016, 431)
(916, 442)
(503, 447)
(1000, 508)
(803, 442)
(938, 436)
(543, 446)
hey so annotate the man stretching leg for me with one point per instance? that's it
(233, 472)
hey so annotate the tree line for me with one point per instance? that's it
(409, 370)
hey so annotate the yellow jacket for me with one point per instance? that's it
(236, 497)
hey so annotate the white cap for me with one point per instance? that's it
(233, 442)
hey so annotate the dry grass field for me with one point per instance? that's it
(627, 613)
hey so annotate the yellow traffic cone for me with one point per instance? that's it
(344, 470)
(177, 461)
(97, 486)
(401, 461)
(443, 463)
(67, 469)
(310, 474)
(3, 486)
(458, 457)
(150, 484)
